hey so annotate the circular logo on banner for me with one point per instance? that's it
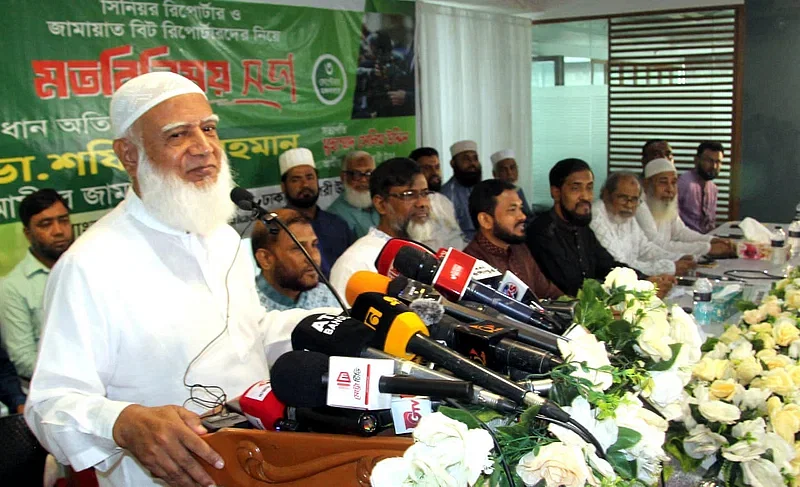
(329, 79)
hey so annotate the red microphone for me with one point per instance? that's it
(261, 407)
(384, 263)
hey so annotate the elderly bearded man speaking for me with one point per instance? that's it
(153, 309)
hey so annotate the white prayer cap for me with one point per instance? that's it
(501, 155)
(135, 97)
(461, 146)
(657, 166)
(295, 157)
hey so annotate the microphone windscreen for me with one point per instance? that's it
(239, 195)
(384, 263)
(414, 264)
(430, 310)
(365, 282)
(332, 335)
(297, 379)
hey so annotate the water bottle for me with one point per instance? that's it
(778, 241)
(797, 212)
(794, 238)
(703, 309)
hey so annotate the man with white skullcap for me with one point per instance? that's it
(659, 219)
(504, 168)
(152, 315)
(300, 184)
(466, 174)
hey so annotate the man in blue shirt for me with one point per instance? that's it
(287, 280)
(300, 184)
(354, 205)
(466, 174)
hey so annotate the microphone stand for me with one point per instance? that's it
(268, 218)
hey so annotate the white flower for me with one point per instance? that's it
(455, 446)
(753, 398)
(654, 339)
(782, 451)
(742, 350)
(586, 348)
(719, 352)
(648, 452)
(794, 348)
(685, 330)
(743, 451)
(756, 428)
(666, 393)
(557, 464)
(719, 411)
(445, 453)
(570, 438)
(710, 369)
(621, 277)
(771, 306)
(754, 316)
(761, 473)
(702, 442)
(785, 331)
(792, 298)
(605, 431)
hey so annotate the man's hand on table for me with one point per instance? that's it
(722, 247)
(684, 265)
(664, 283)
(163, 439)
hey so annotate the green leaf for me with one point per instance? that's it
(674, 446)
(743, 305)
(709, 344)
(460, 415)
(487, 415)
(666, 364)
(626, 439)
(624, 467)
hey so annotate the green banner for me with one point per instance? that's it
(279, 77)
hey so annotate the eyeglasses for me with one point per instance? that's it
(412, 194)
(627, 200)
(358, 174)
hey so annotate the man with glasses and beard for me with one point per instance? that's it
(561, 241)
(400, 194)
(287, 280)
(615, 227)
(697, 192)
(498, 213)
(466, 174)
(152, 315)
(46, 224)
(300, 184)
(354, 205)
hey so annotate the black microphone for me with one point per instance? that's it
(246, 201)
(452, 277)
(411, 291)
(302, 381)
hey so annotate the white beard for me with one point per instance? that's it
(359, 199)
(662, 212)
(421, 232)
(182, 205)
(617, 219)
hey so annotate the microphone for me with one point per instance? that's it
(261, 407)
(453, 278)
(384, 263)
(312, 379)
(411, 291)
(246, 201)
(390, 318)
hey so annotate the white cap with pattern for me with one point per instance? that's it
(462, 146)
(138, 95)
(502, 155)
(657, 166)
(295, 157)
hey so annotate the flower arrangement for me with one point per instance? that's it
(743, 412)
(626, 366)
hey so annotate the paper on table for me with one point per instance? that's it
(755, 231)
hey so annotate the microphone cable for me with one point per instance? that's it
(219, 397)
(485, 427)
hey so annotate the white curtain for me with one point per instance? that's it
(474, 83)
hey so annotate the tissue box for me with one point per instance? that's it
(723, 300)
(756, 251)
